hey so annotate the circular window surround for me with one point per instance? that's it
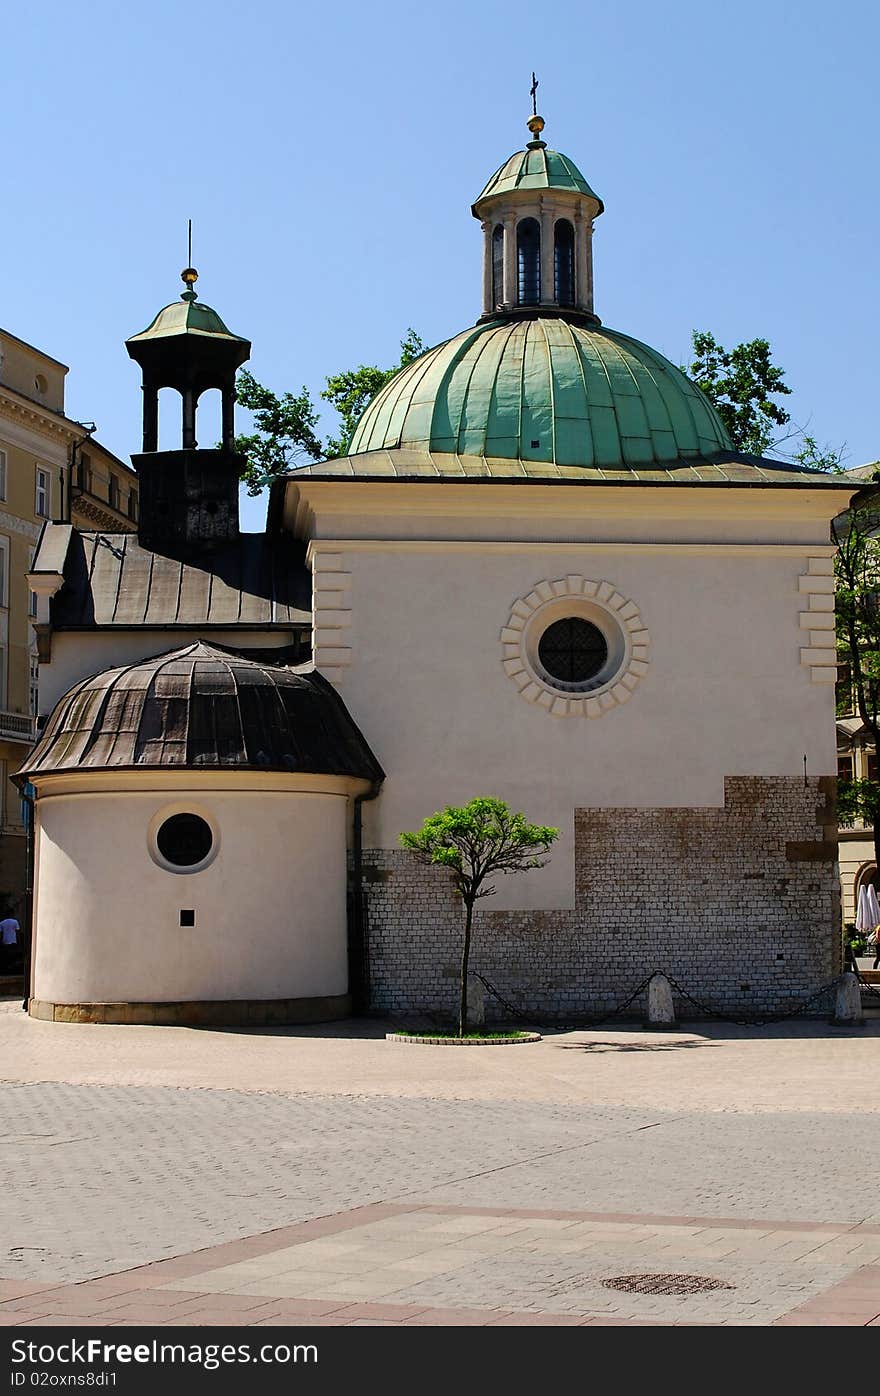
(599, 602)
(168, 812)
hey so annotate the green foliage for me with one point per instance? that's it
(858, 801)
(350, 393)
(812, 456)
(478, 840)
(741, 384)
(286, 434)
(857, 605)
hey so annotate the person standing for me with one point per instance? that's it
(10, 933)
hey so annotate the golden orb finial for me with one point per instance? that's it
(189, 276)
(536, 125)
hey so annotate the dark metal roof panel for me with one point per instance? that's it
(110, 580)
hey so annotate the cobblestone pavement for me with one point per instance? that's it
(179, 1186)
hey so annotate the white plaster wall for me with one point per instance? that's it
(270, 909)
(725, 693)
(76, 654)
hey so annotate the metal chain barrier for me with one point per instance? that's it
(871, 988)
(585, 1021)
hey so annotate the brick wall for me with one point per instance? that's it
(741, 905)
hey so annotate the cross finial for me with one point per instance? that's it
(535, 122)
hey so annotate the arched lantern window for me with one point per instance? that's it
(498, 266)
(563, 262)
(528, 260)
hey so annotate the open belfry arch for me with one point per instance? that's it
(543, 573)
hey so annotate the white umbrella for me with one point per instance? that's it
(863, 921)
(873, 906)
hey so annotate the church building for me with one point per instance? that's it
(542, 573)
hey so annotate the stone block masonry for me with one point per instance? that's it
(740, 904)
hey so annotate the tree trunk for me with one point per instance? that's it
(465, 956)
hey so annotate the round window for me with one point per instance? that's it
(184, 840)
(572, 650)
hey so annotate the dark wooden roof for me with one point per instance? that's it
(110, 580)
(203, 707)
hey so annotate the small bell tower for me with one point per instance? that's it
(188, 495)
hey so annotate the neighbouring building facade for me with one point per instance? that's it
(856, 760)
(543, 573)
(49, 469)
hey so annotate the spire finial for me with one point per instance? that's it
(535, 122)
(189, 275)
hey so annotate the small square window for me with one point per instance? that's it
(187, 918)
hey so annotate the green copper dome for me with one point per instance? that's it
(546, 390)
(538, 168)
(186, 316)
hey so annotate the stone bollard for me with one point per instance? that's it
(661, 1013)
(476, 1002)
(848, 1001)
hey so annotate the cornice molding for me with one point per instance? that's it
(42, 424)
(10, 524)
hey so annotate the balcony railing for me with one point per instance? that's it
(16, 727)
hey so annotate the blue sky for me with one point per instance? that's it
(328, 157)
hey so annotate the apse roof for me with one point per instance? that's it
(203, 707)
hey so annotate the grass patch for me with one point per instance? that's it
(457, 1037)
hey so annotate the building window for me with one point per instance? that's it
(844, 768)
(528, 260)
(4, 571)
(132, 506)
(41, 384)
(35, 686)
(113, 492)
(32, 595)
(872, 766)
(42, 504)
(2, 474)
(563, 262)
(498, 266)
(572, 650)
(184, 841)
(84, 471)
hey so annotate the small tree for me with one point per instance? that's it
(857, 568)
(476, 841)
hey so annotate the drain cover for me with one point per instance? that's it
(665, 1284)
